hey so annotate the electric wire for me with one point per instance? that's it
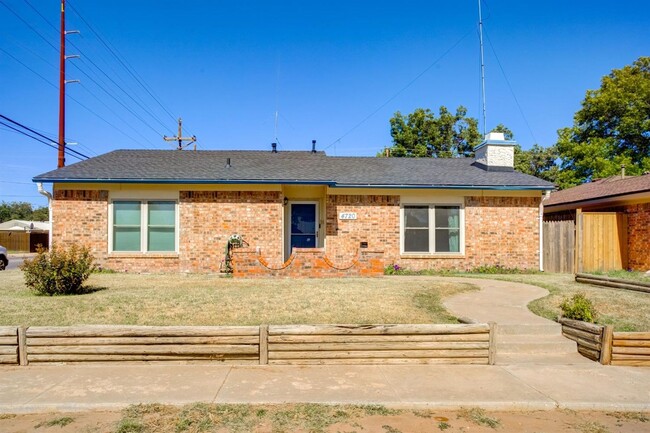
(29, 25)
(124, 64)
(409, 84)
(39, 134)
(67, 151)
(512, 92)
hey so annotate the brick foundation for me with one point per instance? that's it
(307, 263)
(638, 235)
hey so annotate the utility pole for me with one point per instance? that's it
(180, 137)
(62, 83)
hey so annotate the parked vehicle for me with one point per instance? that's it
(4, 258)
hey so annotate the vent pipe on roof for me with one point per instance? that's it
(622, 171)
(313, 146)
(228, 163)
(274, 147)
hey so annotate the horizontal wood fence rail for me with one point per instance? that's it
(381, 344)
(593, 340)
(9, 345)
(274, 344)
(617, 283)
(226, 344)
(631, 348)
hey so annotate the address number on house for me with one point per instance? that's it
(348, 216)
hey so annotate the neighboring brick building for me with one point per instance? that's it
(618, 197)
(174, 211)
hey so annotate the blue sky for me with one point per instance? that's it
(334, 71)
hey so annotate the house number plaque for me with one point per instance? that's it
(348, 216)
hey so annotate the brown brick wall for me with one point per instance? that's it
(638, 235)
(208, 218)
(81, 217)
(377, 223)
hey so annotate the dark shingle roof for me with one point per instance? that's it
(603, 188)
(285, 167)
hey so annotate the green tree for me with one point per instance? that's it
(21, 210)
(423, 134)
(537, 161)
(611, 129)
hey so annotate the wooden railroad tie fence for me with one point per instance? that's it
(8, 345)
(594, 341)
(631, 348)
(381, 344)
(275, 344)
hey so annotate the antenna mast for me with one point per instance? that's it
(480, 33)
(180, 137)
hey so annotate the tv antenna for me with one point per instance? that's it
(180, 137)
(480, 35)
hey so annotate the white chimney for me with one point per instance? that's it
(496, 153)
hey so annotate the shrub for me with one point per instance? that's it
(58, 271)
(579, 307)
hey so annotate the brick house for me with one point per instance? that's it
(300, 213)
(612, 221)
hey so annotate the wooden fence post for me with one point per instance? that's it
(264, 344)
(606, 345)
(22, 346)
(492, 348)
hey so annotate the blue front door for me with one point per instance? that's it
(303, 226)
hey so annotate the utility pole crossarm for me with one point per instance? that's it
(180, 137)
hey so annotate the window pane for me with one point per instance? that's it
(448, 216)
(416, 240)
(416, 216)
(126, 238)
(162, 226)
(126, 213)
(161, 239)
(161, 213)
(447, 240)
(126, 226)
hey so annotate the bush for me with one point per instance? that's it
(579, 307)
(58, 271)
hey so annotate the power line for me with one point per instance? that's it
(70, 151)
(512, 92)
(39, 134)
(29, 25)
(409, 84)
(124, 64)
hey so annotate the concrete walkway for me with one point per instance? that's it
(509, 386)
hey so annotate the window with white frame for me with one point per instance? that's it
(144, 226)
(428, 229)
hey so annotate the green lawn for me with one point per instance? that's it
(625, 310)
(173, 299)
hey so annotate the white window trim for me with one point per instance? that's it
(144, 222)
(432, 229)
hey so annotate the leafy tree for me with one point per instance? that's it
(422, 134)
(612, 128)
(537, 161)
(21, 210)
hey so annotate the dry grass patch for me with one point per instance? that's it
(193, 299)
(624, 309)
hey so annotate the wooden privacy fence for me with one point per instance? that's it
(602, 241)
(23, 242)
(275, 344)
(559, 246)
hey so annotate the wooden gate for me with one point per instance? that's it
(559, 246)
(603, 241)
